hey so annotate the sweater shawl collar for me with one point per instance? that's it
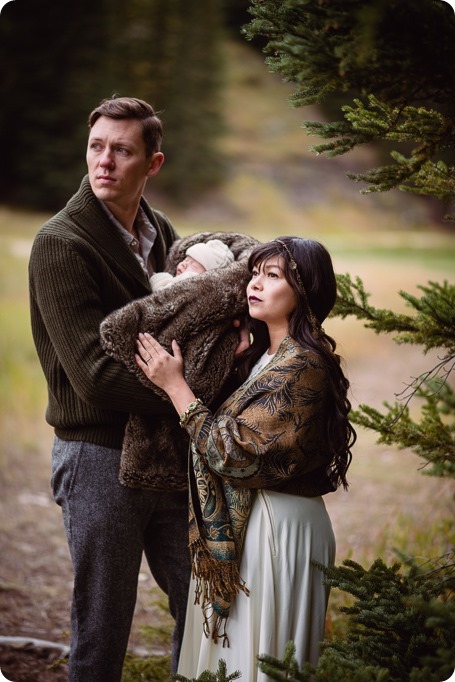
(92, 223)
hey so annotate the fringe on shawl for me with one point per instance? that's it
(217, 583)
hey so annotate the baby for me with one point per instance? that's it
(200, 315)
(199, 258)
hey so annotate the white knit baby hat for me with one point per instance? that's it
(211, 254)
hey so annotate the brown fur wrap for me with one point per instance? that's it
(198, 312)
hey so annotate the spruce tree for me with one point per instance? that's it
(393, 59)
(221, 674)
(400, 627)
(335, 46)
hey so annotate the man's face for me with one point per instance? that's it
(117, 165)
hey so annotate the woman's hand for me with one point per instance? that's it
(162, 368)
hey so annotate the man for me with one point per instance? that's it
(93, 257)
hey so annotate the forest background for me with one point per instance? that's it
(236, 159)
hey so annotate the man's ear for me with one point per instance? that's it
(155, 164)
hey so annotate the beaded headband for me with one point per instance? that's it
(315, 324)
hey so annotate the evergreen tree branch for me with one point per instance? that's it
(221, 675)
(399, 623)
(429, 128)
(400, 626)
(432, 438)
(365, 48)
(433, 325)
(285, 669)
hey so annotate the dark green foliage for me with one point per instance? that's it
(46, 92)
(432, 437)
(285, 669)
(156, 668)
(221, 675)
(351, 44)
(185, 68)
(401, 627)
(395, 59)
(389, 623)
(433, 325)
(150, 669)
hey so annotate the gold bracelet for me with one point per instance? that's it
(183, 418)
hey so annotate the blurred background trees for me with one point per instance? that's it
(60, 59)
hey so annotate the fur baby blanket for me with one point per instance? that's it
(198, 312)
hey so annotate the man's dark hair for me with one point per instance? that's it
(136, 109)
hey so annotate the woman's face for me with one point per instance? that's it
(271, 298)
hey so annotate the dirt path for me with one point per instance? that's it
(35, 586)
(35, 569)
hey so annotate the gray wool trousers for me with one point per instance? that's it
(108, 527)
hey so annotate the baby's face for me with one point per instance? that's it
(189, 265)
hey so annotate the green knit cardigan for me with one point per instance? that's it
(80, 270)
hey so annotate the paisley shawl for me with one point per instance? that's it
(268, 434)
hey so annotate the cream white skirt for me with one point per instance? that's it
(287, 598)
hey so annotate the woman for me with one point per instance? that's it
(261, 464)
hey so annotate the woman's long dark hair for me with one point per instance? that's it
(308, 263)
